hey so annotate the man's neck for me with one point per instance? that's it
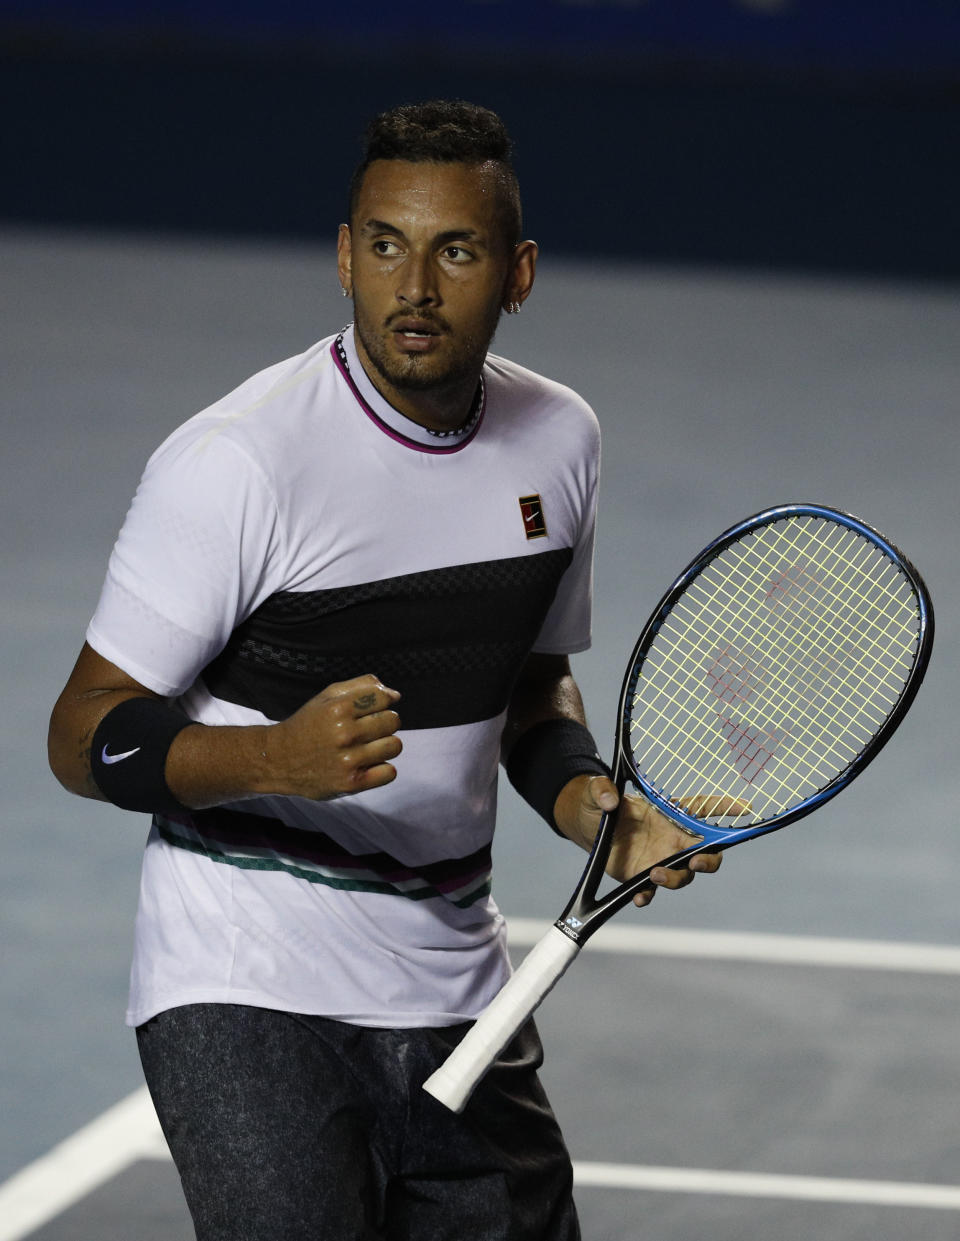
(445, 407)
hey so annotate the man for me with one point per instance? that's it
(393, 526)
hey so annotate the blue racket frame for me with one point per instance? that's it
(584, 913)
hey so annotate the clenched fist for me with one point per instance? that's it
(342, 741)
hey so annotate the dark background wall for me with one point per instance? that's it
(769, 133)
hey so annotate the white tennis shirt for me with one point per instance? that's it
(301, 531)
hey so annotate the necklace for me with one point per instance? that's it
(476, 408)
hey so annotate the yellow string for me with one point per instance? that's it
(826, 627)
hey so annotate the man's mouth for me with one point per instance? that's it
(415, 334)
(416, 329)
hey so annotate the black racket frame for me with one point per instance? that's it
(584, 913)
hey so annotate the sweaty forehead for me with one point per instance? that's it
(430, 196)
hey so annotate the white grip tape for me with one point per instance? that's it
(454, 1082)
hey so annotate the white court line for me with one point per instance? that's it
(129, 1130)
(744, 946)
(126, 1132)
(765, 1185)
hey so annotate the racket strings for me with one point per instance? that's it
(838, 629)
(795, 647)
(741, 731)
(867, 599)
(830, 633)
(777, 665)
(836, 644)
(780, 668)
(830, 638)
(830, 630)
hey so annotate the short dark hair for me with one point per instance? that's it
(444, 131)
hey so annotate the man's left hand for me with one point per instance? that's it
(642, 835)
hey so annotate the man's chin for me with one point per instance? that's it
(415, 373)
(420, 379)
(420, 371)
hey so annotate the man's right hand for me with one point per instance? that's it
(342, 741)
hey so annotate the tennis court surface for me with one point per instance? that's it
(772, 1053)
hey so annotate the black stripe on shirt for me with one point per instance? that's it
(452, 641)
(258, 842)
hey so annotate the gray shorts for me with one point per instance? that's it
(298, 1128)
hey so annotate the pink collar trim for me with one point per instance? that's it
(389, 420)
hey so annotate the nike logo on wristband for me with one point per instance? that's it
(117, 758)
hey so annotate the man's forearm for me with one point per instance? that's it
(548, 751)
(545, 691)
(203, 767)
(341, 741)
(208, 765)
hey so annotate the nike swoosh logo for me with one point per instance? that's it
(117, 758)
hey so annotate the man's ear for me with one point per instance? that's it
(345, 258)
(523, 269)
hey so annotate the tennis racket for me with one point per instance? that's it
(770, 674)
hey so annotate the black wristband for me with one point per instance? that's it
(546, 757)
(128, 757)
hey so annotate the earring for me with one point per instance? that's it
(513, 308)
(344, 291)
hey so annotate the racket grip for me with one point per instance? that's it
(456, 1079)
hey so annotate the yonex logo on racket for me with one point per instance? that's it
(732, 676)
(752, 748)
(788, 586)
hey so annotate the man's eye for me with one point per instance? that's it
(386, 248)
(457, 254)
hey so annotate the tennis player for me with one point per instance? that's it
(341, 593)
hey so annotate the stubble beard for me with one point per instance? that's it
(422, 372)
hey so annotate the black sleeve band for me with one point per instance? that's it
(546, 757)
(129, 754)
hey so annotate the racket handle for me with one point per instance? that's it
(455, 1080)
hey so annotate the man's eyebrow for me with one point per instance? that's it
(460, 234)
(375, 227)
(380, 226)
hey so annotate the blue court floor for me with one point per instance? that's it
(801, 1082)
